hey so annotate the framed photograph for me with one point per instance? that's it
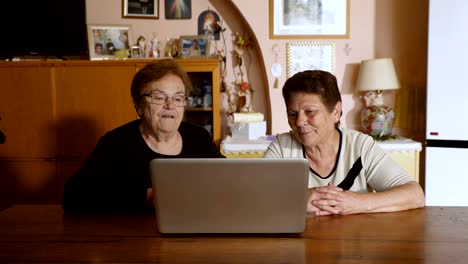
(140, 9)
(309, 19)
(193, 46)
(178, 9)
(106, 40)
(302, 56)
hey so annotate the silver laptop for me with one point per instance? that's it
(239, 195)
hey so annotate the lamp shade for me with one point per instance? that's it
(377, 74)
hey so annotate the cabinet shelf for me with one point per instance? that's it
(70, 105)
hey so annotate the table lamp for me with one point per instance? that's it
(375, 76)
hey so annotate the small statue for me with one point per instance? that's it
(141, 43)
(155, 46)
(244, 99)
(174, 49)
(168, 48)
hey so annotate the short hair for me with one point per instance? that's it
(154, 71)
(321, 83)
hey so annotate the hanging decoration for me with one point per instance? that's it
(276, 68)
(208, 24)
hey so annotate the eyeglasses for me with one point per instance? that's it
(162, 98)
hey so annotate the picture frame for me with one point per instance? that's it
(178, 9)
(306, 19)
(193, 46)
(106, 40)
(140, 9)
(135, 52)
(301, 56)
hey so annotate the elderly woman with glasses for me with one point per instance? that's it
(116, 178)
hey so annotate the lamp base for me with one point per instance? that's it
(378, 120)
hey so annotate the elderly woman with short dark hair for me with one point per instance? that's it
(349, 172)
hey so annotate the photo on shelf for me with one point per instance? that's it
(106, 41)
(193, 46)
(140, 9)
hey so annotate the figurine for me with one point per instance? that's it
(174, 49)
(244, 98)
(155, 46)
(168, 48)
(141, 43)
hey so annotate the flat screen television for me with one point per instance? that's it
(44, 28)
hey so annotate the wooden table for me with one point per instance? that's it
(41, 234)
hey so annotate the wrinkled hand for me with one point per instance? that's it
(322, 200)
(327, 200)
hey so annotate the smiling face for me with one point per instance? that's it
(165, 118)
(311, 121)
(313, 103)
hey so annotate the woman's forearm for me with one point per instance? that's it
(407, 196)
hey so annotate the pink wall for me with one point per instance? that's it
(378, 28)
(360, 42)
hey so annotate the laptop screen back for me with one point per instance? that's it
(230, 195)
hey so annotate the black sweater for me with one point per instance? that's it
(115, 177)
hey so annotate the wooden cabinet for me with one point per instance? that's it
(53, 113)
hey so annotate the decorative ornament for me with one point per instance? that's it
(347, 49)
(155, 46)
(141, 43)
(208, 24)
(276, 68)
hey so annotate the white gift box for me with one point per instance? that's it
(247, 117)
(249, 131)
